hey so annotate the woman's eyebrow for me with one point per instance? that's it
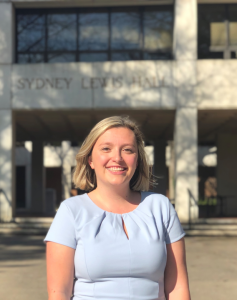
(108, 143)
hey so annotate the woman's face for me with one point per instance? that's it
(114, 157)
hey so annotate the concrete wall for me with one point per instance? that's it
(6, 121)
(94, 85)
(6, 165)
(205, 84)
(216, 86)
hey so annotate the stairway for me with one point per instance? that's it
(212, 227)
(27, 225)
(202, 227)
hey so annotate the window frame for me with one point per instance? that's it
(228, 48)
(142, 51)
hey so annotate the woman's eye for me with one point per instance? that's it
(105, 149)
(128, 150)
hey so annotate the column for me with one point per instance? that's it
(185, 30)
(160, 170)
(171, 171)
(38, 178)
(6, 165)
(66, 170)
(227, 172)
(7, 132)
(186, 164)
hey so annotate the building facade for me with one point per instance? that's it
(65, 65)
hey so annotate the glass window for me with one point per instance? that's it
(90, 35)
(123, 56)
(31, 58)
(93, 57)
(61, 57)
(125, 30)
(218, 34)
(217, 31)
(208, 14)
(158, 29)
(30, 32)
(62, 31)
(233, 24)
(93, 31)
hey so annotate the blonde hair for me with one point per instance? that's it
(84, 177)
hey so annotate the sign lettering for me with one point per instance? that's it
(64, 83)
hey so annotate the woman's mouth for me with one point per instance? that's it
(117, 170)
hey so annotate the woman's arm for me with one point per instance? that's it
(60, 271)
(176, 276)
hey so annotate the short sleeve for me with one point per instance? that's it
(62, 229)
(174, 230)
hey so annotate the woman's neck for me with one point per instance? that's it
(117, 199)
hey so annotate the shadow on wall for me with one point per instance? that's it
(5, 165)
(88, 85)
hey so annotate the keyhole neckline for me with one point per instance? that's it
(124, 214)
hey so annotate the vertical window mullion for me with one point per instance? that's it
(77, 32)
(16, 38)
(227, 53)
(109, 24)
(46, 38)
(142, 32)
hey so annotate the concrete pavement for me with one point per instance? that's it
(212, 267)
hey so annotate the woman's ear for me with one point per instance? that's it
(90, 162)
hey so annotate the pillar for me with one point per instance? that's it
(38, 178)
(186, 164)
(66, 170)
(160, 166)
(6, 166)
(227, 172)
(171, 171)
(185, 30)
(185, 147)
(7, 132)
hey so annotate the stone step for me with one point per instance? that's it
(33, 227)
(216, 221)
(33, 220)
(23, 231)
(196, 232)
(210, 227)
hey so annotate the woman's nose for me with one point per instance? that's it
(117, 156)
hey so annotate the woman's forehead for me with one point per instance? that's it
(117, 134)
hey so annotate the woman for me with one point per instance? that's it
(118, 241)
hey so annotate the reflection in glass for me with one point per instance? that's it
(84, 34)
(125, 30)
(156, 56)
(61, 57)
(30, 58)
(207, 14)
(124, 56)
(62, 31)
(93, 57)
(233, 33)
(218, 34)
(158, 30)
(30, 32)
(93, 31)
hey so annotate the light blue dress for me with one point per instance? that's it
(108, 265)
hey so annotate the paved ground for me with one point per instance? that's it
(212, 266)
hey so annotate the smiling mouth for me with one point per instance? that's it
(116, 169)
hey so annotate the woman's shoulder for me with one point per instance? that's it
(155, 198)
(157, 205)
(80, 207)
